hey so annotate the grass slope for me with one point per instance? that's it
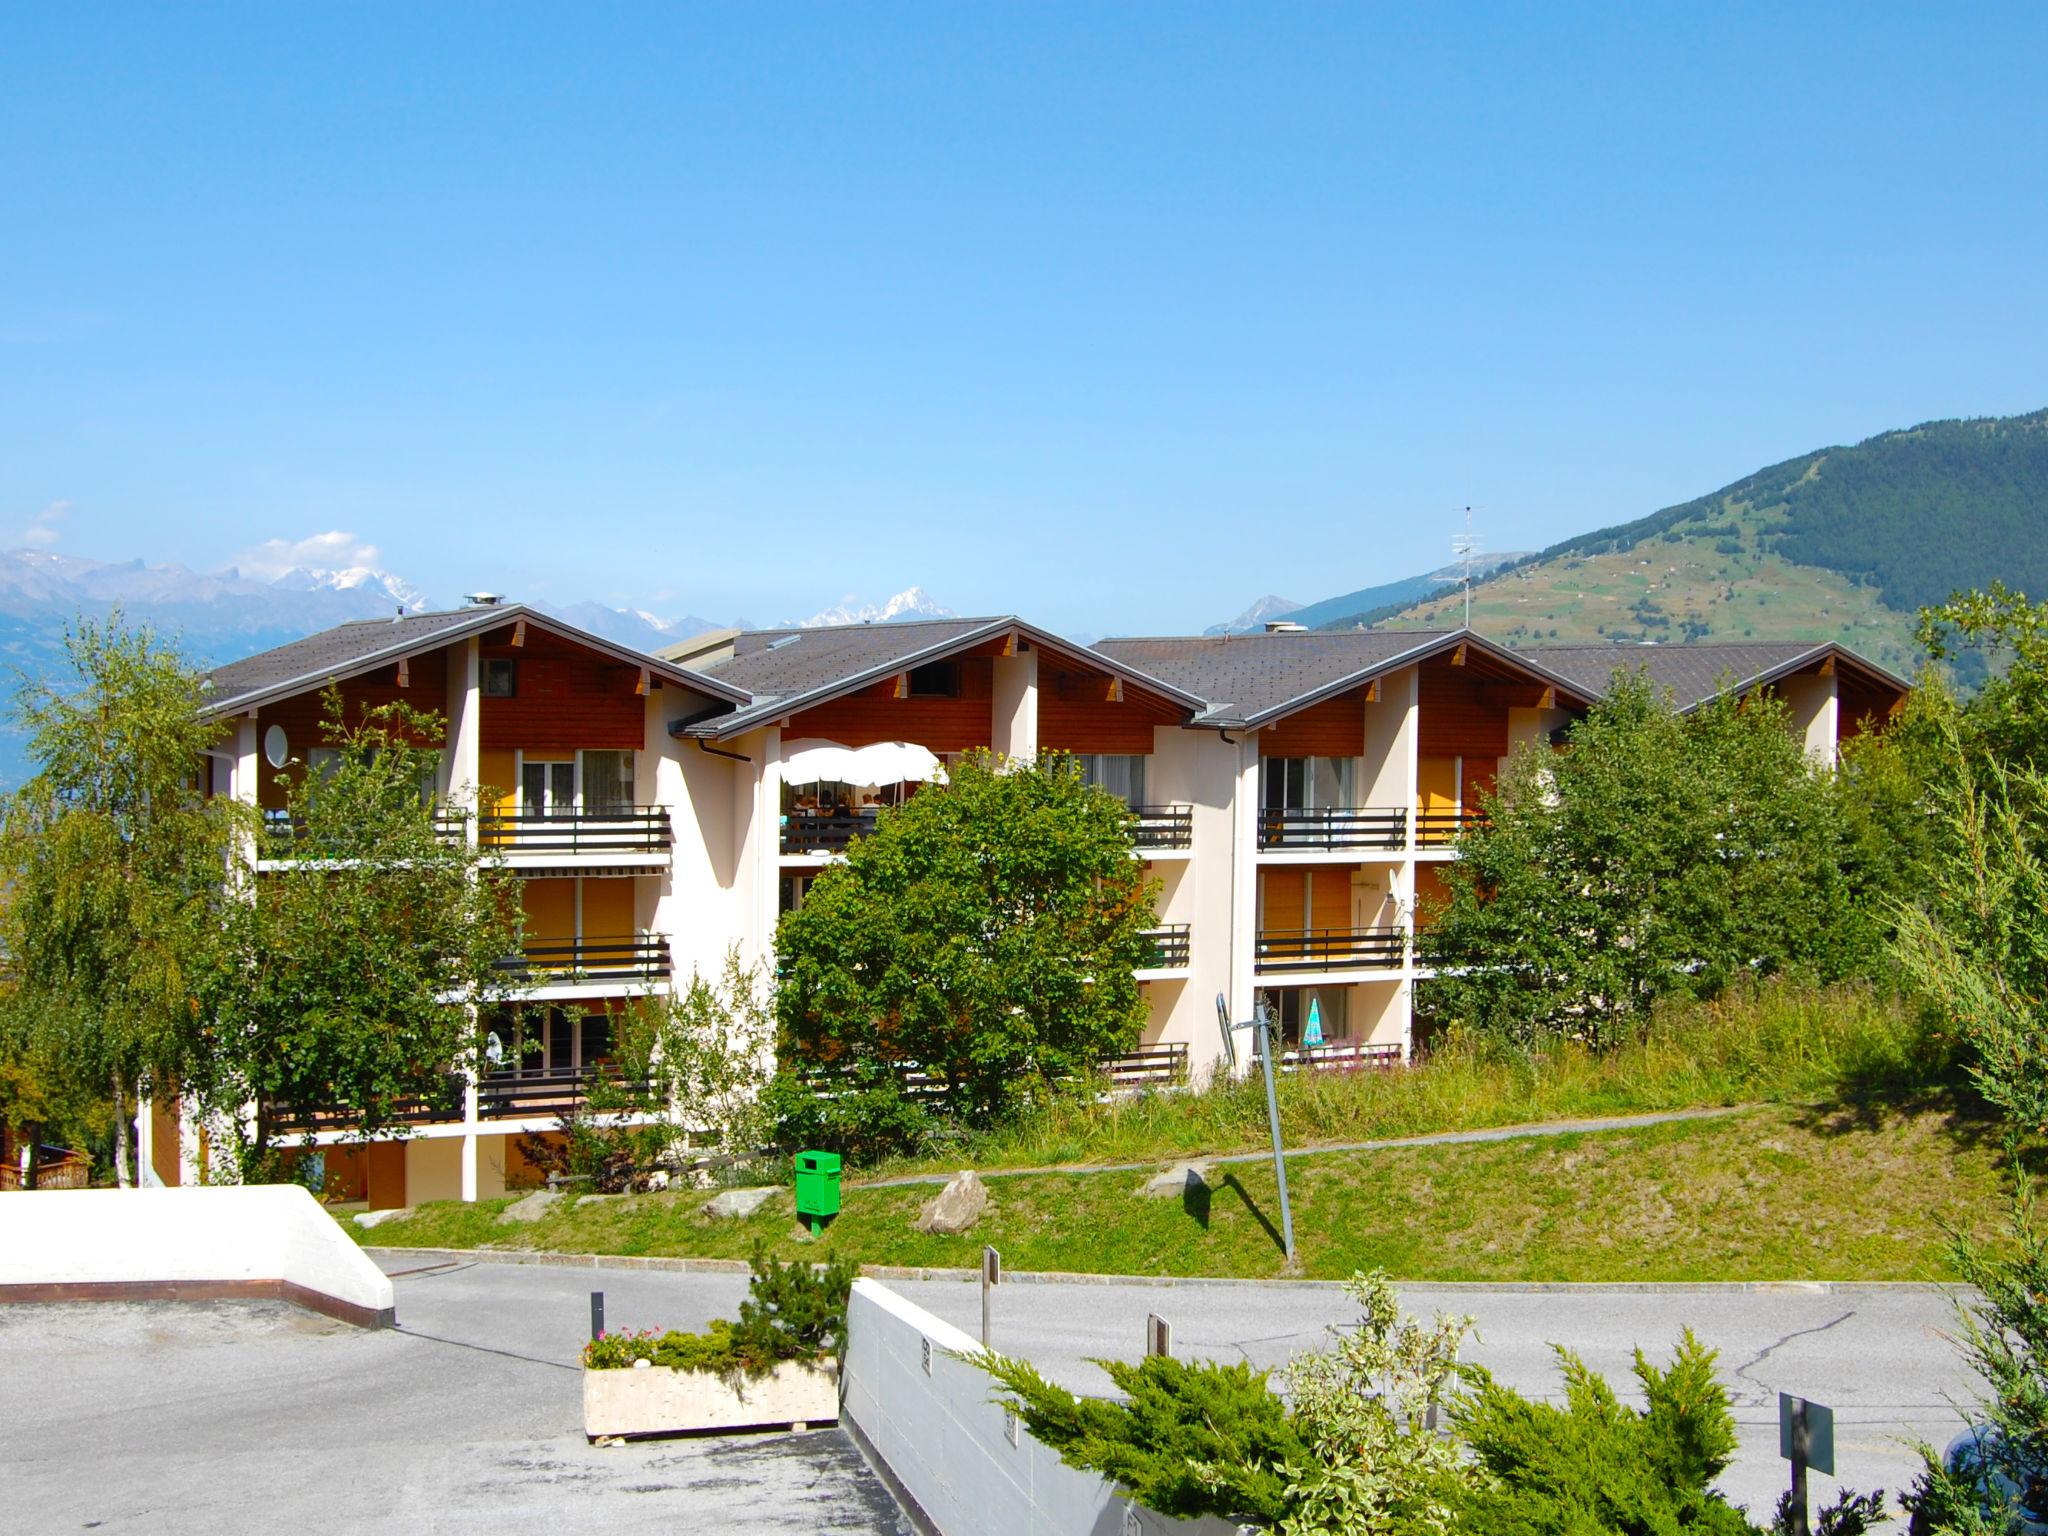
(1841, 544)
(1775, 1193)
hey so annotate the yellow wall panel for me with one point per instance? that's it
(550, 907)
(608, 909)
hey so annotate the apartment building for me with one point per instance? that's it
(1293, 793)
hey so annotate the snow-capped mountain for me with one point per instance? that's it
(366, 580)
(910, 603)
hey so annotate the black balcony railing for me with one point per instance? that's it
(1149, 1066)
(823, 831)
(413, 1109)
(1333, 828)
(1162, 828)
(1170, 946)
(1339, 1056)
(1327, 949)
(285, 836)
(623, 829)
(1439, 829)
(532, 1092)
(643, 957)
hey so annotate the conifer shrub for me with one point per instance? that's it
(792, 1312)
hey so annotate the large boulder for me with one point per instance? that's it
(956, 1208)
(1182, 1180)
(738, 1202)
(378, 1218)
(532, 1207)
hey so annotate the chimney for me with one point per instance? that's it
(1285, 627)
(483, 599)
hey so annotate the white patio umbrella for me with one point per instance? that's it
(812, 760)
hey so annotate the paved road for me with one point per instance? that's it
(262, 1418)
(1876, 1356)
(258, 1417)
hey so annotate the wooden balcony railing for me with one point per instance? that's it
(533, 1092)
(1333, 829)
(1170, 946)
(1149, 1066)
(1338, 1056)
(641, 957)
(1162, 828)
(623, 829)
(1439, 829)
(823, 831)
(1327, 949)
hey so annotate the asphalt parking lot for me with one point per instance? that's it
(260, 1417)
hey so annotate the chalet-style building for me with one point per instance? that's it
(1293, 793)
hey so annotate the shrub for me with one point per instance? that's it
(792, 1312)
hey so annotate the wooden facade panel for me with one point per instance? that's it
(874, 714)
(1330, 899)
(1283, 899)
(564, 703)
(384, 1177)
(1333, 728)
(1436, 784)
(1857, 701)
(1462, 715)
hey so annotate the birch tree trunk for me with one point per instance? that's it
(120, 1133)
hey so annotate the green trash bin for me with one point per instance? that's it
(817, 1188)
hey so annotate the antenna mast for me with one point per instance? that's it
(1464, 547)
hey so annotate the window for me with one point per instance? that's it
(1290, 1007)
(501, 677)
(1122, 774)
(608, 783)
(1305, 783)
(935, 680)
(547, 789)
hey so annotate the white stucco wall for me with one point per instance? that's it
(949, 1446)
(219, 1234)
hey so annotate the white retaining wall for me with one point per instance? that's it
(270, 1239)
(933, 1421)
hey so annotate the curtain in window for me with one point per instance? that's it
(608, 783)
(1122, 774)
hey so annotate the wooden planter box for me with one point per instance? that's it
(662, 1401)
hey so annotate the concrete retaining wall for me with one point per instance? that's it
(201, 1243)
(930, 1419)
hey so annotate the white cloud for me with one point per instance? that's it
(329, 551)
(42, 530)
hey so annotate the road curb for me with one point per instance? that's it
(434, 1258)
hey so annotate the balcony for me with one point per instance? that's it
(1440, 829)
(1170, 947)
(1162, 828)
(627, 834)
(587, 963)
(533, 1094)
(1149, 1066)
(285, 840)
(1328, 949)
(1338, 1056)
(1333, 829)
(818, 834)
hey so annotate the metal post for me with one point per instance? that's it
(1261, 1016)
(596, 1313)
(1158, 1335)
(1799, 1449)
(991, 1273)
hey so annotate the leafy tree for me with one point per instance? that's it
(1656, 854)
(1999, 635)
(113, 856)
(345, 984)
(688, 1075)
(986, 931)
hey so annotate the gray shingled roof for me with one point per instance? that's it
(791, 669)
(1693, 673)
(349, 649)
(1249, 677)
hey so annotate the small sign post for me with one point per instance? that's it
(1158, 1335)
(596, 1314)
(1806, 1438)
(991, 1274)
(1262, 1036)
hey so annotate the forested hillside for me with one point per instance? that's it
(1842, 543)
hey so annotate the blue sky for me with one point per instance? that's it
(1115, 315)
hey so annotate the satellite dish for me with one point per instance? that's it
(275, 748)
